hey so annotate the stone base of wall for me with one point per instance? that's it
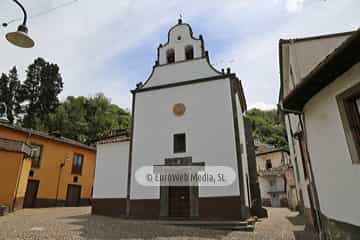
(215, 208)
(222, 208)
(47, 203)
(145, 209)
(112, 207)
(309, 218)
(219, 208)
(336, 230)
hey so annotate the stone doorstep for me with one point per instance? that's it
(247, 225)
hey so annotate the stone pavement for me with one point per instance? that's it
(77, 223)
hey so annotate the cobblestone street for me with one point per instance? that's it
(77, 223)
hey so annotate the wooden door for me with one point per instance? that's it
(73, 196)
(31, 192)
(179, 201)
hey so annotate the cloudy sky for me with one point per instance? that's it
(109, 46)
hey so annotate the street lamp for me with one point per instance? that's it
(20, 38)
(3, 115)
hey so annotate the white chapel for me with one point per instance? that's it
(186, 113)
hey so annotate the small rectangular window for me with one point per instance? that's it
(179, 143)
(349, 108)
(268, 164)
(189, 52)
(170, 56)
(77, 163)
(36, 155)
(352, 106)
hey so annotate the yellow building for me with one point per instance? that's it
(59, 173)
(15, 166)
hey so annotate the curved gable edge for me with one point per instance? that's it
(155, 71)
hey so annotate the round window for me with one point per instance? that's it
(179, 109)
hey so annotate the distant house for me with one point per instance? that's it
(187, 114)
(320, 99)
(276, 177)
(41, 170)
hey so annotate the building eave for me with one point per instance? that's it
(327, 71)
(272, 151)
(32, 132)
(295, 40)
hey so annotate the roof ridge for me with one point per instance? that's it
(47, 136)
(338, 34)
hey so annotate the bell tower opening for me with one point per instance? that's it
(170, 56)
(189, 52)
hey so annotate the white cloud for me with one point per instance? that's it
(84, 37)
(294, 5)
(262, 106)
(256, 53)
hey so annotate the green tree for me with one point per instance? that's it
(40, 92)
(86, 119)
(267, 127)
(9, 93)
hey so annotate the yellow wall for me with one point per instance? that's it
(24, 176)
(53, 154)
(9, 171)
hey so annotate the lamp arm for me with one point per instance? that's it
(24, 11)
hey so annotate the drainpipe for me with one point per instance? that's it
(58, 182)
(316, 202)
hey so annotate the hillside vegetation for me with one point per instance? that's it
(267, 127)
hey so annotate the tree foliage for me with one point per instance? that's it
(267, 127)
(40, 92)
(86, 119)
(9, 93)
(35, 104)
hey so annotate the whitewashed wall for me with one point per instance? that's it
(182, 31)
(296, 158)
(179, 72)
(111, 170)
(337, 178)
(304, 56)
(244, 160)
(208, 124)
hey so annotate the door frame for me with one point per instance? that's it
(171, 207)
(67, 194)
(36, 192)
